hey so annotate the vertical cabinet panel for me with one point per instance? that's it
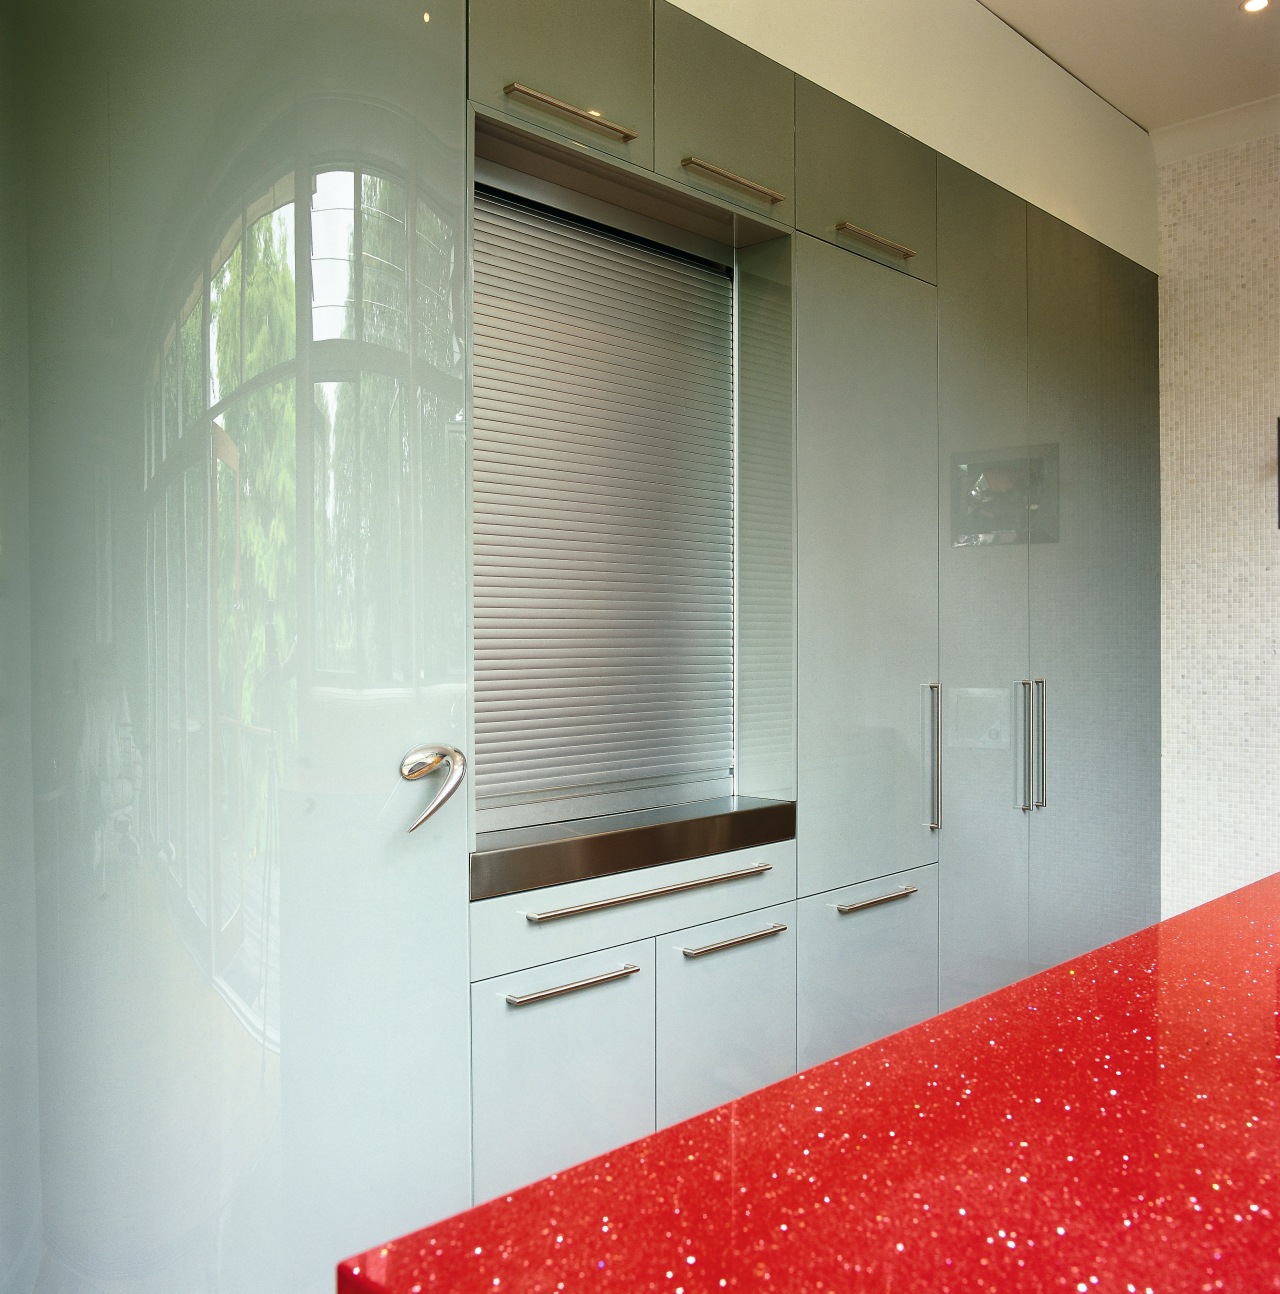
(726, 1010)
(562, 1079)
(991, 476)
(594, 55)
(853, 169)
(1094, 597)
(868, 568)
(719, 102)
(870, 971)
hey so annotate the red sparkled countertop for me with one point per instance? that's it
(1112, 1124)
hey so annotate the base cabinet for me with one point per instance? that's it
(726, 1010)
(563, 1064)
(867, 962)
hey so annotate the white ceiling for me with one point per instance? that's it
(1159, 61)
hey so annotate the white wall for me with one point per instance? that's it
(953, 75)
(1220, 559)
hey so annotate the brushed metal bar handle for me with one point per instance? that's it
(905, 892)
(875, 240)
(1028, 801)
(624, 133)
(422, 760)
(766, 933)
(599, 905)
(719, 173)
(542, 994)
(1042, 690)
(935, 692)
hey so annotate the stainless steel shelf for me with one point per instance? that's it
(527, 858)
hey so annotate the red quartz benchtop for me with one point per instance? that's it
(1112, 1124)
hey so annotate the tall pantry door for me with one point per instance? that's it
(247, 487)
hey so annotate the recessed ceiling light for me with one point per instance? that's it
(1253, 6)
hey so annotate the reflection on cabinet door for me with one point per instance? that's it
(580, 68)
(867, 962)
(726, 1010)
(563, 1064)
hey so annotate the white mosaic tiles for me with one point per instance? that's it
(1220, 559)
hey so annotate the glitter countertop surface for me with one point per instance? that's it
(1112, 1124)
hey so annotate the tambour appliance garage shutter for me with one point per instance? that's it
(603, 519)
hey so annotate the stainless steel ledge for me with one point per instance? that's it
(527, 858)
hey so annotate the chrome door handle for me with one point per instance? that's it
(542, 994)
(904, 893)
(422, 760)
(1028, 742)
(935, 818)
(584, 115)
(1042, 762)
(769, 195)
(767, 933)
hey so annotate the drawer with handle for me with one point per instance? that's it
(863, 185)
(579, 68)
(867, 962)
(724, 118)
(538, 926)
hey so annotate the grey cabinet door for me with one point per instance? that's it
(868, 567)
(593, 55)
(722, 104)
(989, 475)
(856, 171)
(562, 1064)
(870, 969)
(1094, 596)
(726, 1010)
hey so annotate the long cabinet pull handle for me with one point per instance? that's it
(1028, 770)
(875, 240)
(599, 905)
(1043, 762)
(905, 892)
(719, 173)
(542, 994)
(767, 933)
(624, 133)
(935, 693)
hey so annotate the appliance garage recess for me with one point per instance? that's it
(573, 574)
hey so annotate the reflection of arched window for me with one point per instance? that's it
(286, 508)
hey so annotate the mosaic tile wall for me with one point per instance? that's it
(1220, 561)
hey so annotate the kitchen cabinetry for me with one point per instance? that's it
(723, 115)
(867, 962)
(1094, 596)
(868, 568)
(864, 185)
(580, 68)
(726, 1010)
(563, 1064)
(986, 463)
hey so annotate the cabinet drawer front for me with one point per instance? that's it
(726, 1010)
(593, 57)
(855, 171)
(724, 115)
(562, 1065)
(519, 930)
(869, 970)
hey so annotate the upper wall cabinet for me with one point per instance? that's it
(862, 184)
(581, 68)
(724, 118)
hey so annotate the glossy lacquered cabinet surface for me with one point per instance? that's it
(247, 473)
(563, 1078)
(853, 169)
(869, 970)
(721, 103)
(983, 572)
(596, 56)
(868, 569)
(726, 1010)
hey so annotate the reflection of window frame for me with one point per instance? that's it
(170, 451)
